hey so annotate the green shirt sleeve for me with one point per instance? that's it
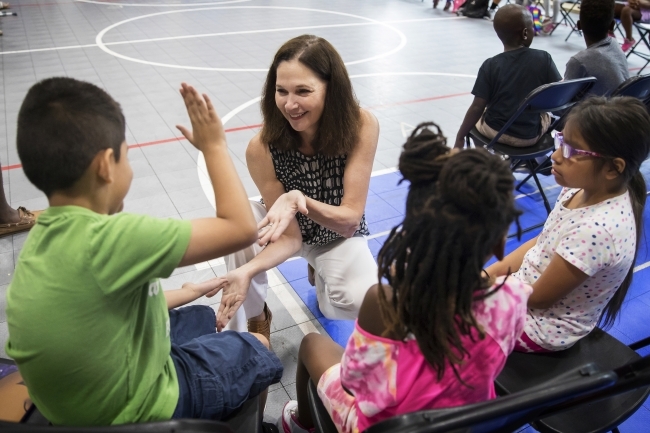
(128, 250)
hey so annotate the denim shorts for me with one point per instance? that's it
(217, 372)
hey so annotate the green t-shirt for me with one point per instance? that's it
(88, 321)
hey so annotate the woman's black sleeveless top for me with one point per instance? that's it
(318, 177)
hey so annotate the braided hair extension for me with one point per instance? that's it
(458, 208)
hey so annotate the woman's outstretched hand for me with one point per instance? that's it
(235, 288)
(207, 130)
(280, 215)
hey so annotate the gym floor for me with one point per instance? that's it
(408, 62)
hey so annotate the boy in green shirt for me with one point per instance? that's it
(88, 320)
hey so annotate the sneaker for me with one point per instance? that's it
(489, 15)
(627, 44)
(288, 422)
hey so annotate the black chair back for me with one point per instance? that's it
(577, 388)
(636, 87)
(504, 414)
(550, 98)
(528, 370)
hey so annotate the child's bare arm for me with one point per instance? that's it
(473, 115)
(512, 262)
(190, 292)
(234, 227)
(558, 280)
(369, 314)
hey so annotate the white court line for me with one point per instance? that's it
(290, 304)
(100, 36)
(642, 267)
(160, 5)
(137, 41)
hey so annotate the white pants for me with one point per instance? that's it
(344, 271)
(556, 10)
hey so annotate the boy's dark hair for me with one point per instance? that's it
(509, 23)
(340, 122)
(62, 124)
(458, 208)
(619, 128)
(596, 17)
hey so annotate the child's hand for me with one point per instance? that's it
(207, 130)
(235, 288)
(208, 288)
(280, 216)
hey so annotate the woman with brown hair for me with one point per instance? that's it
(311, 163)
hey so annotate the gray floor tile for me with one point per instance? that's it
(191, 199)
(6, 245)
(274, 404)
(181, 179)
(6, 267)
(158, 205)
(145, 186)
(281, 319)
(3, 302)
(4, 336)
(286, 344)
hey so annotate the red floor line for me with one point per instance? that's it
(414, 101)
(243, 128)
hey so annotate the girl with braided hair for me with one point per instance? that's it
(580, 266)
(435, 332)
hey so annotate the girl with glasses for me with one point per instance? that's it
(581, 265)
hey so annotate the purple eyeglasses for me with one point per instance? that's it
(568, 151)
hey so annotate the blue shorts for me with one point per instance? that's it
(217, 372)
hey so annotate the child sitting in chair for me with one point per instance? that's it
(506, 79)
(603, 57)
(87, 317)
(634, 11)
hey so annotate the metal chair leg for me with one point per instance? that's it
(539, 186)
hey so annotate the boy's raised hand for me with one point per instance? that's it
(207, 129)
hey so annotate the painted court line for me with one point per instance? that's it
(242, 32)
(247, 127)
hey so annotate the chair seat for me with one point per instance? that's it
(523, 371)
(541, 148)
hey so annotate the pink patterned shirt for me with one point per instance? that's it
(388, 377)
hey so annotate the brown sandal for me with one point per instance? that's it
(262, 326)
(27, 221)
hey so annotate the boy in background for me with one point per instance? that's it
(603, 57)
(504, 81)
(87, 317)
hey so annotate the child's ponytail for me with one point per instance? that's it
(458, 208)
(619, 128)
